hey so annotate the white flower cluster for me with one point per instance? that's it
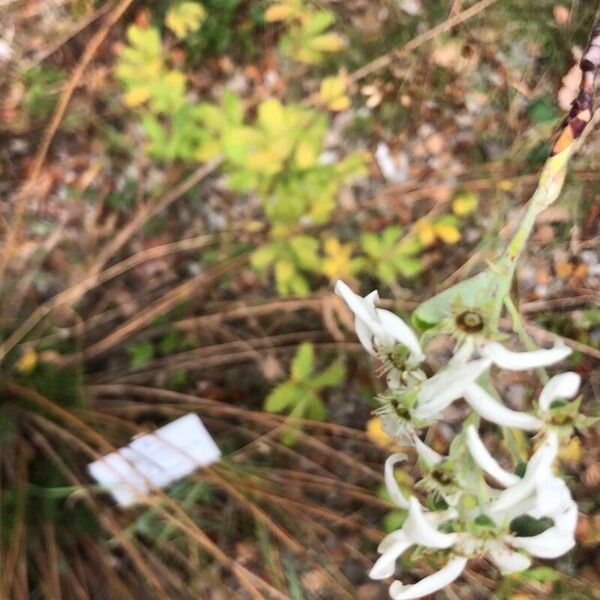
(528, 515)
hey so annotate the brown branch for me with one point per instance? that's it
(582, 107)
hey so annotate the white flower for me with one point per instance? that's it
(486, 461)
(379, 330)
(538, 494)
(420, 528)
(539, 470)
(492, 410)
(421, 403)
(428, 585)
(507, 359)
(558, 389)
(439, 391)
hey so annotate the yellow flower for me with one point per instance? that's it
(464, 204)
(447, 232)
(443, 228)
(378, 436)
(425, 232)
(338, 262)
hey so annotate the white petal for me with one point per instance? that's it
(401, 333)
(431, 584)
(427, 454)
(540, 464)
(560, 387)
(390, 480)
(508, 560)
(446, 386)
(391, 539)
(365, 335)
(418, 529)
(553, 542)
(366, 321)
(523, 361)
(491, 410)
(363, 308)
(463, 353)
(386, 563)
(537, 469)
(486, 461)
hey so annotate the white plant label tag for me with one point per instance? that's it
(155, 460)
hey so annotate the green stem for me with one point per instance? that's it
(511, 443)
(550, 185)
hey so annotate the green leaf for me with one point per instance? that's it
(140, 354)
(271, 115)
(472, 292)
(184, 18)
(541, 109)
(386, 272)
(410, 244)
(263, 257)
(298, 285)
(315, 408)
(305, 249)
(408, 266)
(394, 520)
(371, 245)
(319, 22)
(542, 574)
(171, 342)
(283, 397)
(391, 235)
(331, 376)
(528, 526)
(232, 105)
(303, 362)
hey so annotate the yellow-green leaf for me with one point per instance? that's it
(279, 12)
(271, 115)
(185, 18)
(136, 96)
(333, 93)
(328, 42)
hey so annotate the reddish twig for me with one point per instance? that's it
(582, 107)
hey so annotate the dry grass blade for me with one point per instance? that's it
(28, 187)
(430, 34)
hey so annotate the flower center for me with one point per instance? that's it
(562, 419)
(400, 409)
(470, 321)
(442, 476)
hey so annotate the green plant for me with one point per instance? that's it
(389, 254)
(300, 395)
(308, 38)
(42, 88)
(291, 258)
(185, 18)
(277, 155)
